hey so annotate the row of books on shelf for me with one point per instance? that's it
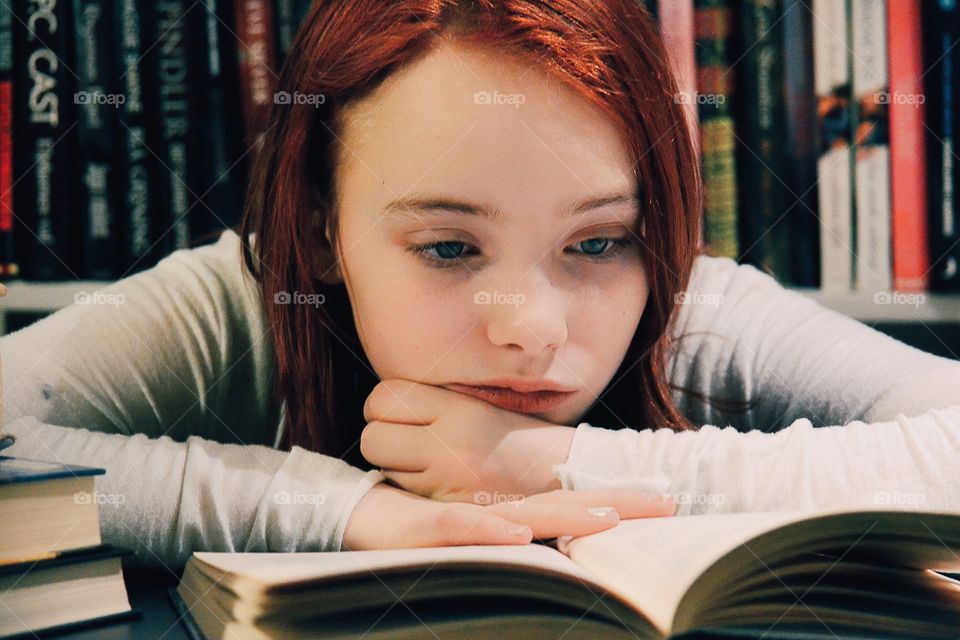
(827, 136)
(825, 128)
(56, 573)
(127, 126)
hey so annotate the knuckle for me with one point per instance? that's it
(368, 439)
(383, 395)
(449, 521)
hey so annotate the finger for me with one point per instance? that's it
(629, 503)
(394, 446)
(399, 400)
(549, 520)
(463, 525)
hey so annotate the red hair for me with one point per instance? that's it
(607, 50)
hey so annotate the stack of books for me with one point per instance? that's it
(55, 571)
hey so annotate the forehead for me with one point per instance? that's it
(479, 121)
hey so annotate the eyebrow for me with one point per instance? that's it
(439, 204)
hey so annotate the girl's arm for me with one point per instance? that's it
(166, 365)
(749, 338)
(165, 499)
(909, 462)
(806, 366)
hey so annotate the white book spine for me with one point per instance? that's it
(871, 146)
(832, 78)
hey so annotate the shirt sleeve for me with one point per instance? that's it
(165, 380)
(747, 338)
(843, 413)
(164, 499)
(905, 462)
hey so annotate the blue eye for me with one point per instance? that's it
(448, 253)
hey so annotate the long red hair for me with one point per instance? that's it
(607, 50)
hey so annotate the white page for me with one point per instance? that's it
(651, 562)
(260, 571)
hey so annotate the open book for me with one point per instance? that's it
(830, 574)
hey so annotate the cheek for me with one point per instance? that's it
(410, 322)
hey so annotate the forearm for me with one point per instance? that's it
(165, 499)
(908, 462)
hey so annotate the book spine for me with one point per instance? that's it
(908, 162)
(8, 263)
(764, 232)
(677, 29)
(136, 197)
(871, 145)
(941, 20)
(832, 77)
(44, 137)
(290, 14)
(170, 63)
(220, 174)
(800, 156)
(713, 21)
(256, 58)
(97, 105)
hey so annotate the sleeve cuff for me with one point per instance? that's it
(591, 464)
(308, 503)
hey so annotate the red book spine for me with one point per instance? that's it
(908, 167)
(677, 30)
(8, 267)
(256, 57)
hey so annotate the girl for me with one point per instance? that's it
(470, 236)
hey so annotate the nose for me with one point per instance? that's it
(531, 318)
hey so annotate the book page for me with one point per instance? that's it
(651, 562)
(251, 574)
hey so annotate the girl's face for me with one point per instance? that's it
(525, 197)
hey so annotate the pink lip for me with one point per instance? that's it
(530, 402)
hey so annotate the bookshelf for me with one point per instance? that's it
(943, 308)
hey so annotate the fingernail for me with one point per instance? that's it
(600, 512)
(562, 542)
(515, 529)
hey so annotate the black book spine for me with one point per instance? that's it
(800, 151)
(97, 107)
(44, 138)
(137, 168)
(219, 177)
(290, 14)
(759, 117)
(166, 28)
(8, 263)
(941, 21)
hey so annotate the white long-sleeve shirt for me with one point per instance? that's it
(165, 380)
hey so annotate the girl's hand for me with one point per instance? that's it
(390, 518)
(449, 446)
